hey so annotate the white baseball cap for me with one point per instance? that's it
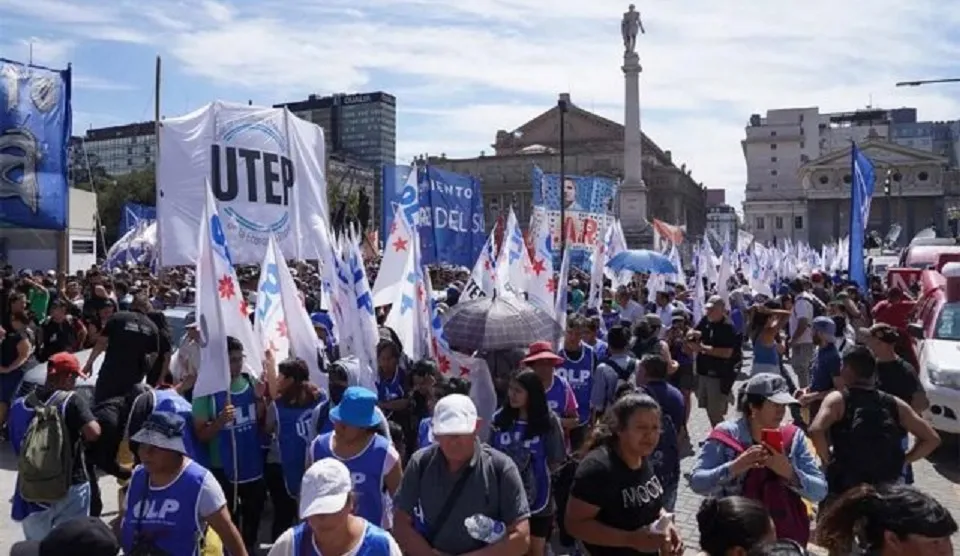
(454, 414)
(325, 488)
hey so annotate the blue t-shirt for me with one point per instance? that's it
(666, 457)
(826, 366)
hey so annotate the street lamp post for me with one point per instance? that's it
(927, 82)
(562, 108)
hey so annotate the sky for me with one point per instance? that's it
(461, 70)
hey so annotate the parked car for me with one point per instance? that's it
(936, 340)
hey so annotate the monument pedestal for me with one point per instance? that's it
(633, 191)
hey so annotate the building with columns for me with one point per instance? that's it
(798, 161)
(593, 146)
(911, 188)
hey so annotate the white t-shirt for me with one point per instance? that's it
(284, 546)
(802, 309)
(632, 312)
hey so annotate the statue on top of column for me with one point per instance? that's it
(630, 27)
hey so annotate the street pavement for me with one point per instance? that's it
(939, 476)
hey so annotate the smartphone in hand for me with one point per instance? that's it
(772, 438)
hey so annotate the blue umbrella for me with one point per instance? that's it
(641, 260)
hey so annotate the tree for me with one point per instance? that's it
(113, 193)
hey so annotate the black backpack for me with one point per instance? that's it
(869, 447)
(622, 373)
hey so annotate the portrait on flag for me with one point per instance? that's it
(587, 204)
(265, 168)
(35, 124)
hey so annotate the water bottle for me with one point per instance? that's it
(484, 529)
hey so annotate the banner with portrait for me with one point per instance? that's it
(587, 211)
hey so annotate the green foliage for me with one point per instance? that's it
(114, 192)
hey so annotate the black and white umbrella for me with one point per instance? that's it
(497, 323)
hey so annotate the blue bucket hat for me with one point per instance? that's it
(322, 319)
(357, 408)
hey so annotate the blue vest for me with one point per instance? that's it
(367, 471)
(530, 455)
(18, 422)
(247, 433)
(376, 542)
(579, 373)
(172, 402)
(166, 516)
(557, 395)
(423, 432)
(293, 436)
(390, 390)
(322, 417)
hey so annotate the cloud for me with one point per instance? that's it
(462, 70)
(52, 53)
(99, 84)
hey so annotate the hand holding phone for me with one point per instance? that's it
(772, 438)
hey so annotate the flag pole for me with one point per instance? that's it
(156, 161)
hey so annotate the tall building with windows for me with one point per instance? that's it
(118, 150)
(799, 172)
(362, 127)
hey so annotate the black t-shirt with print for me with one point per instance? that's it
(628, 498)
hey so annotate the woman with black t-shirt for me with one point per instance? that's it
(616, 501)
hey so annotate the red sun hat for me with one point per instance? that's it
(541, 351)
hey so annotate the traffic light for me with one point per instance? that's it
(886, 187)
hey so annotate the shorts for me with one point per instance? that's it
(541, 526)
(684, 378)
(9, 382)
(711, 397)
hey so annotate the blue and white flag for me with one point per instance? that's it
(35, 122)
(861, 194)
(137, 247)
(449, 208)
(134, 213)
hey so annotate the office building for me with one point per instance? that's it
(723, 224)
(360, 127)
(798, 172)
(117, 150)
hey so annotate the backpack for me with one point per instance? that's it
(45, 465)
(787, 508)
(872, 426)
(622, 373)
(666, 456)
(819, 309)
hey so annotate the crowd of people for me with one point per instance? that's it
(582, 456)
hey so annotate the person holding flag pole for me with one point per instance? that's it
(228, 402)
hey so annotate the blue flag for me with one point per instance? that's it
(132, 214)
(861, 193)
(34, 135)
(448, 209)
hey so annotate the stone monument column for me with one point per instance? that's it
(633, 191)
(632, 137)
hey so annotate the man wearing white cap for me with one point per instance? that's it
(328, 525)
(458, 496)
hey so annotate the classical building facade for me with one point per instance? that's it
(913, 188)
(593, 146)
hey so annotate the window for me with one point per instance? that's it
(802, 144)
(801, 118)
(773, 185)
(778, 222)
(923, 176)
(81, 247)
(773, 172)
(759, 222)
(773, 159)
(129, 162)
(773, 146)
(847, 179)
(797, 222)
(824, 180)
(773, 134)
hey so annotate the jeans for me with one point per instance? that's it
(670, 497)
(75, 504)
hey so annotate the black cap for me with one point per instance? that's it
(84, 535)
